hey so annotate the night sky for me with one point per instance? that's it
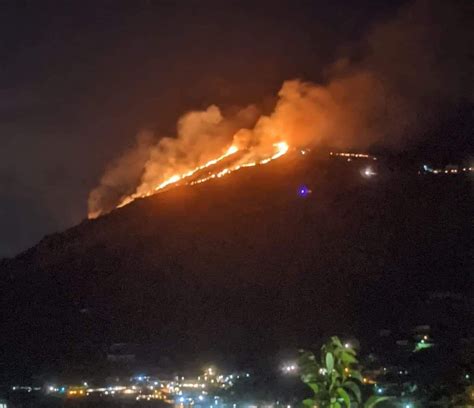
(79, 79)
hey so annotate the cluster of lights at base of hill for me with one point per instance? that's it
(178, 391)
(281, 148)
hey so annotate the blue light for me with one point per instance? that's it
(304, 191)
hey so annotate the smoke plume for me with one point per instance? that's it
(383, 91)
(122, 177)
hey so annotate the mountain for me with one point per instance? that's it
(240, 266)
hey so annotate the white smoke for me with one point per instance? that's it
(412, 67)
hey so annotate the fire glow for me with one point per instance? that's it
(280, 149)
(360, 101)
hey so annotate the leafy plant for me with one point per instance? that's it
(334, 377)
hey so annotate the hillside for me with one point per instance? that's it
(240, 265)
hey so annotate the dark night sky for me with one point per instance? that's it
(78, 79)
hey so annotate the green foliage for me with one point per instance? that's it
(333, 377)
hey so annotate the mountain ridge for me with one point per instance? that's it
(242, 264)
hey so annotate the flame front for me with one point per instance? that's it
(279, 149)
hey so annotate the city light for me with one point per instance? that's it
(146, 388)
(368, 172)
(201, 390)
(289, 368)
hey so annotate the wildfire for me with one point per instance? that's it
(177, 177)
(186, 178)
(281, 149)
(353, 155)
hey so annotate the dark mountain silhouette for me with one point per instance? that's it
(239, 266)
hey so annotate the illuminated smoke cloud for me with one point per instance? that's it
(201, 137)
(121, 178)
(384, 95)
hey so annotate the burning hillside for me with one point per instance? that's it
(245, 268)
(363, 99)
(232, 160)
(304, 115)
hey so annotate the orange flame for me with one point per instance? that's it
(280, 149)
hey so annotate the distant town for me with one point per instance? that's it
(403, 365)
